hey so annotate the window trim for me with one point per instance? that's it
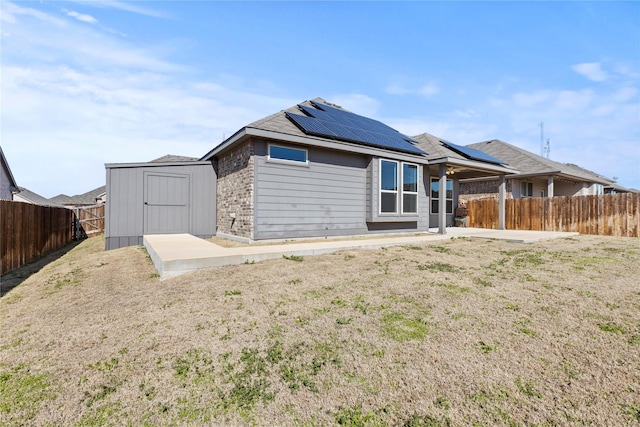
(399, 192)
(527, 185)
(288, 161)
(431, 198)
(380, 190)
(414, 193)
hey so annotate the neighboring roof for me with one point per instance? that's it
(172, 158)
(85, 199)
(12, 181)
(32, 197)
(530, 164)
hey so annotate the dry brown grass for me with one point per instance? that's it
(461, 332)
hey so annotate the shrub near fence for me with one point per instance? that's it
(31, 231)
(604, 215)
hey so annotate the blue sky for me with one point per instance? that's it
(86, 83)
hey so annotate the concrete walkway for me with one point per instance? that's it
(177, 254)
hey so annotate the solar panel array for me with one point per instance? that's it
(473, 154)
(334, 123)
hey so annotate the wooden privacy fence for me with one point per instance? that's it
(89, 221)
(604, 215)
(31, 231)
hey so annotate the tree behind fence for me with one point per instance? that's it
(31, 231)
(605, 215)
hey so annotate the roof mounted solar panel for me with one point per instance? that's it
(334, 123)
(310, 126)
(473, 154)
(361, 121)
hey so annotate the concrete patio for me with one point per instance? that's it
(177, 254)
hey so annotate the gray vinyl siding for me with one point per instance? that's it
(125, 213)
(328, 197)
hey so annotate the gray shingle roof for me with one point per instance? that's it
(170, 158)
(529, 163)
(85, 199)
(278, 122)
(34, 198)
(434, 148)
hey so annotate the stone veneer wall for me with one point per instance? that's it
(482, 190)
(234, 208)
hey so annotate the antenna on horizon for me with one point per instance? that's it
(547, 149)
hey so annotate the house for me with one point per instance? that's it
(27, 196)
(458, 166)
(537, 177)
(312, 170)
(8, 186)
(90, 198)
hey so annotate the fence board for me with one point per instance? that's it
(31, 231)
(606, 215)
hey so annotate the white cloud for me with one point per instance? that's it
(531, 99)
(396, 89)
(76, 98)
(81, 16)
(11, 10)
(358, 103)
(124, 6)
(429, 89)
(591, 70)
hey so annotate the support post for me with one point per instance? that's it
(502, 201)
(550, 186)
(442, 200)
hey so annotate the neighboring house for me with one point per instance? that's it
(90, 198)
(611, 188)
(8, 186)
(537, 177)
(313, 170)
(28, 196)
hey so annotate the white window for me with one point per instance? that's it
(409, 188)
(398, 187)
(288, 154)
(388, 187)
(435, 196)
(526, 189)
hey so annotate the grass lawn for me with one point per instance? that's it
(459, 333)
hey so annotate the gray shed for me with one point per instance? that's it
(159, 198)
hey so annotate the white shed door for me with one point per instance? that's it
(167, 200)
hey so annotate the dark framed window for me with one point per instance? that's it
(435, 196)
(526, 189)
(288, 154)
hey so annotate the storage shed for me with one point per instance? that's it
(159, 198)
